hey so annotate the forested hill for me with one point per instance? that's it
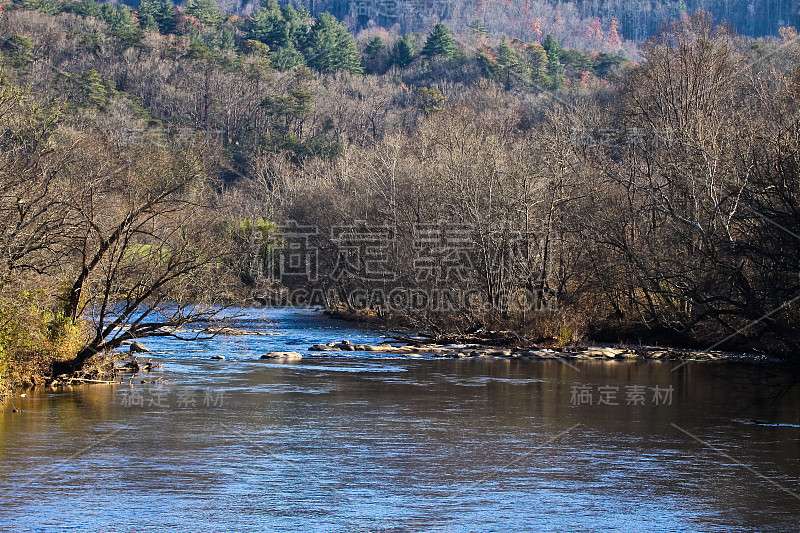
(638, 19)
(571, 21)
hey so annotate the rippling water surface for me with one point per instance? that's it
(370, 442)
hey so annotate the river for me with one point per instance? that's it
(368, 442)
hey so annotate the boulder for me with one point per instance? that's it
(282, 355)
(325, 348)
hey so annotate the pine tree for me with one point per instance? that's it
(605, 63)
(537, 62)
(331, 48)
(555, 68)
(430, 100)
(148, 23)
(206, 11)
(121, 21)
(479, 27)
(577, 60)
(403, 51)
(297, 22)
(97, 90)
(374, 47)
(87, 8)
(147, 13)
(551, 46)
(277, 27)
(508, 62)
(19, 51)
(166, 17)
(440, 42)
(287, 58)
(375, 56)
(556, 72)
(267, 26)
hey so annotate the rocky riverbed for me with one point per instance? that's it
(454, 351)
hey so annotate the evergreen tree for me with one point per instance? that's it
(297, 21)
(551, 46)
(166, 17)
(430, 100)
(605, 63)
(97, 90)
(147, 13)
(19, 50)
(479, 27)
(256, 48)
(287, 58)
(88, 89)
(277, 27)
(537, 63)
(375, 56)
(148, 22)
(86, 8)
(374, 47)
(206, 11)
(331, 48)
(577, 60)
(556, 72)
(267, 26)
(440, 42)
(508, 63)
(226, 41)
(121, 21)
(403, 51)
(50, 7)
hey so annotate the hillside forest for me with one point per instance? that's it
(159, 163)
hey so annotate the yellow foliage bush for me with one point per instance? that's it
(33, 334)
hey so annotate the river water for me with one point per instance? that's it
(369, 442)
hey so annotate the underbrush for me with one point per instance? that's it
(34, 333)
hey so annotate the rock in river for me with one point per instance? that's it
(282, 355)
(138, 347)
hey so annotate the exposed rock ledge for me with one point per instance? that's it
(232, 331)
(590, 352)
